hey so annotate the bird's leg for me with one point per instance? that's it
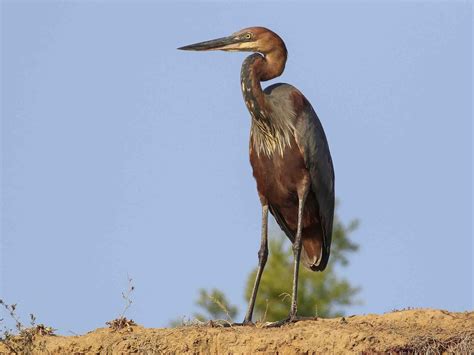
(262, 259)
(297, 255)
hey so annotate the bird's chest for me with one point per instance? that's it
(279, 174)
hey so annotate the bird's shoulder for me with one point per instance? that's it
(279, 89)
(286, 100)
(281, 92)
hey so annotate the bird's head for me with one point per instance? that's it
(252, 39)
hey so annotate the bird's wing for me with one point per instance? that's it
(312, 141)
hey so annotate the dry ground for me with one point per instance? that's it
(407, 331)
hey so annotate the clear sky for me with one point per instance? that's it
(122, 155)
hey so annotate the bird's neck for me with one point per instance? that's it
(251, 89)
(267, 133)
(257, 68)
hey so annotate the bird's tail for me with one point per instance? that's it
(313, 255)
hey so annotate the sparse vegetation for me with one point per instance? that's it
(216, 305)
(462, 343)
(21, 339)
(122, 322)
(217, 311)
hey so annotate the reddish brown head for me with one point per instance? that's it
(252, 39)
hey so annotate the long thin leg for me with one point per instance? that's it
(297, 255)
(262, 260)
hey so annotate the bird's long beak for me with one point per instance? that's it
(224, 43)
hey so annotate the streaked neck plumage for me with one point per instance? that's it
(269, 132)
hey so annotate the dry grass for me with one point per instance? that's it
(214, 323)
(121, 322)
(462, 343)
(21, 340)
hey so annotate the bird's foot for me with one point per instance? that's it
(219, 323)
(246, 322)
(288, 320)
(280, 323)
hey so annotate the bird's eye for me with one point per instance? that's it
(248, 36)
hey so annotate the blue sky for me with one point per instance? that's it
(122, 155)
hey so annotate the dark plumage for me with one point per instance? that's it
(277, 177)
(289, 154)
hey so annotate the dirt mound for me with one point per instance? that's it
(419, 330)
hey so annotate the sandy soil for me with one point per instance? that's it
(407, 331)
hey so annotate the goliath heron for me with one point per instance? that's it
(289, 154)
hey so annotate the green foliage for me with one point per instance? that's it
(216, 306)
(319, 293)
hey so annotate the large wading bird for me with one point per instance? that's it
(289, 154)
